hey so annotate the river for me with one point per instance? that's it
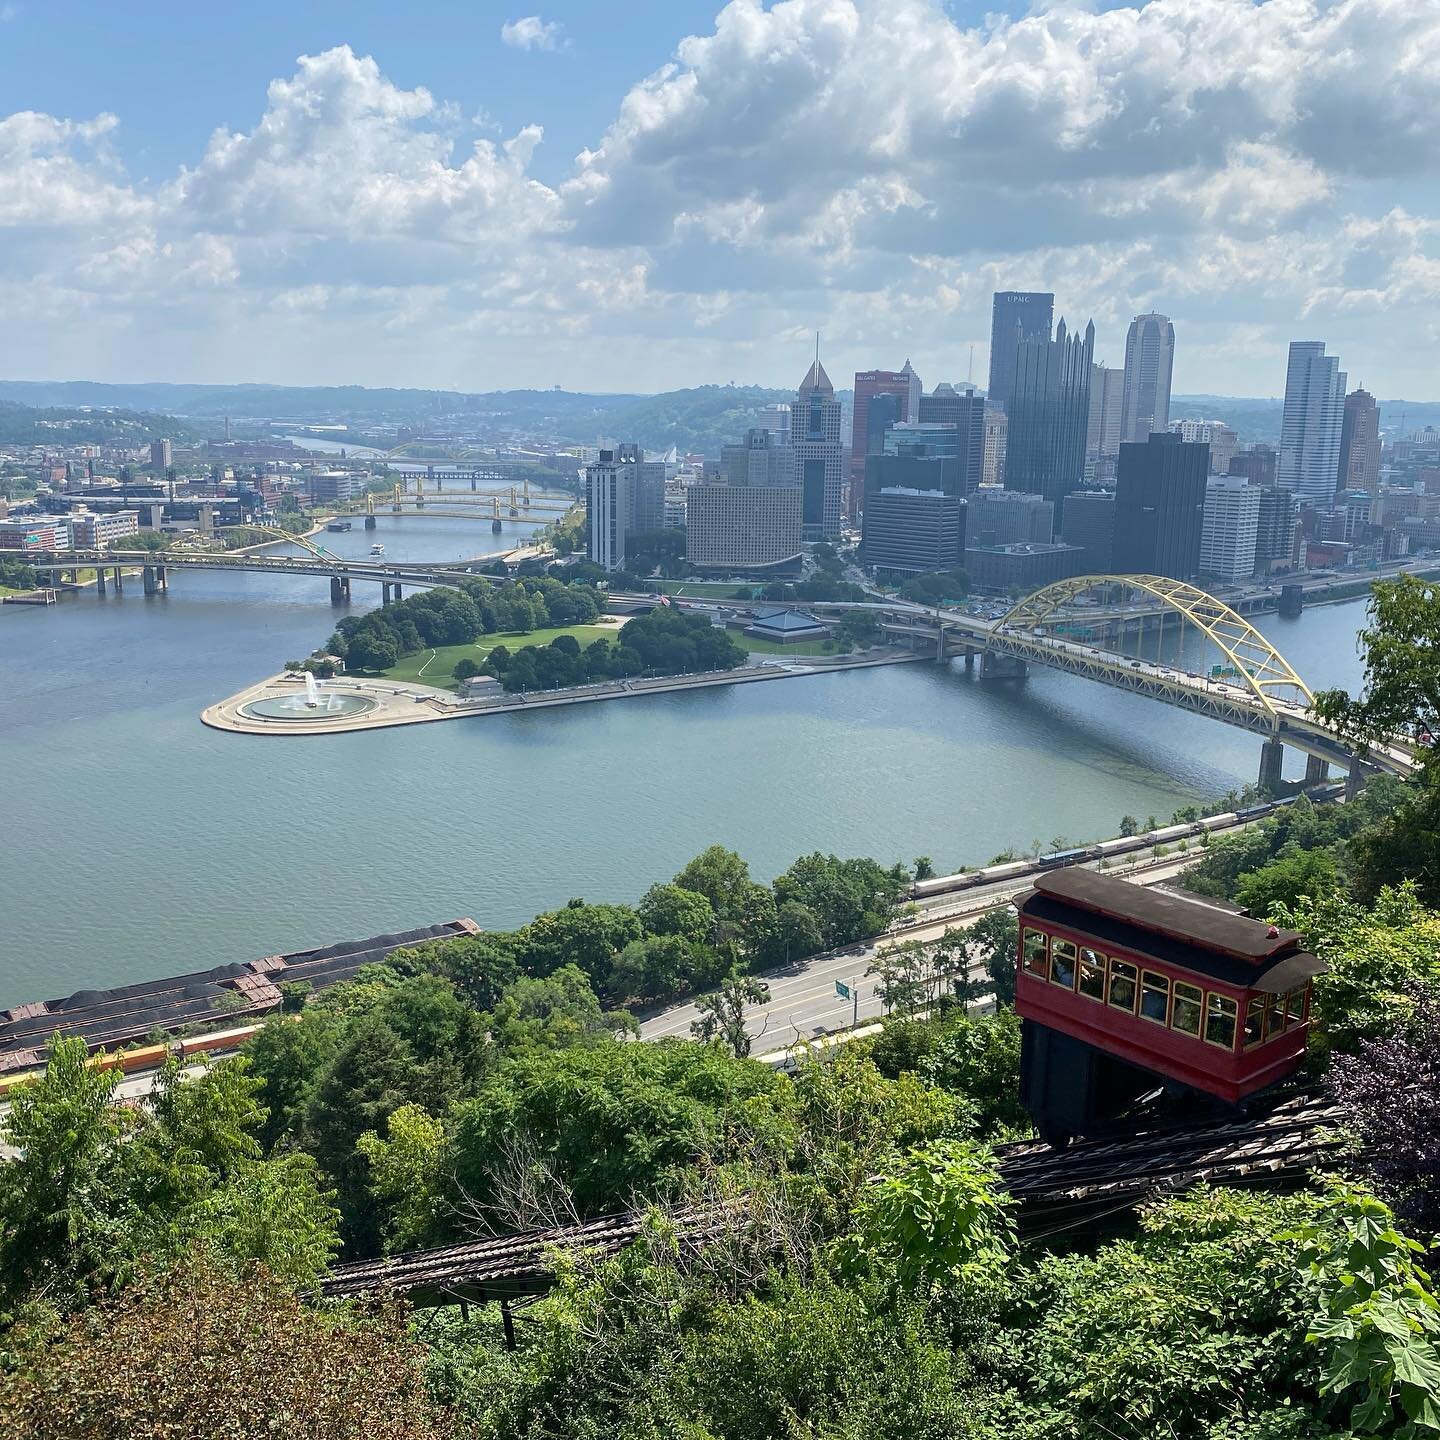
(139, 842)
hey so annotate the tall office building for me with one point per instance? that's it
(1049, 416)
(1257, 464)
(1231, 527)
(776, 419)
(911, 531)
(1090, 524)
(1149, 359)
(1360, 442)
(1015, 315)
(759, 459)
(609, 506)
(1310, 427)
(1221, 439)
(647, 512)
(1102, 436)
(742, 527)
(160, 455)
(868, 385)
(1160, 507)
(1009, 517)
(965, 410)
(992, 469)
(1277, 530)
(815, 440)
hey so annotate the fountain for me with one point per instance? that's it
(312, 703)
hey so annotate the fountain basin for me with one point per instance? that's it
(295, 710)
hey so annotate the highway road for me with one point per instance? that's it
(803, 1002)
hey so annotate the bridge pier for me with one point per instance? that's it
(970, 660)
(399, 594)
(370, 522)
(339, 589)
(99, 579)
(996, 666)
(1355, 780)
(1272, 760)
(1317, 771)
(152, 585)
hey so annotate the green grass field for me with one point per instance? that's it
(697, 589)
(433, 667)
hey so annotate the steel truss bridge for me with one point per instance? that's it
(1259, 690)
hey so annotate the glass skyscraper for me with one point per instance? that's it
(1016, 315)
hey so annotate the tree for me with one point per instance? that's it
(408, 1170)
(673, 910)
(937, 1215)
(197, 1352)
(722, 1013)
(465, 668)
(788, 932)
(58, 1197)
(1309, 874)
(654, 968)
(992, 941)
(722, 877)
(550, 1013)
(1389, 1095)
(849, 898)
(924, 869)
(1402, 667)
(902, 972)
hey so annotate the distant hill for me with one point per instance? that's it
(32, 425)
(700, 420)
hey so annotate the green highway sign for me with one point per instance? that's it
(842, 990)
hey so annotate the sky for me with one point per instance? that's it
(649, 194)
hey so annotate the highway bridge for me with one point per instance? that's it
(155, 568)
(1256, 688)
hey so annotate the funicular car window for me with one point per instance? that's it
(1295, 1005)
(1122, 985)
(1254, 1020)
(1062, 963)
(1092, 973)
(1220, 1020)
(1185, 1014)
(1036, 947)
(1155, 997)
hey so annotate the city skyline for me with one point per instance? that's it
(348, 201)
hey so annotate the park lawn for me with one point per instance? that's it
(698, 589)
(433, 667)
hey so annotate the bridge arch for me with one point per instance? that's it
(1262, 667)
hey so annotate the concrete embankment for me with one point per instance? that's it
(402, 703)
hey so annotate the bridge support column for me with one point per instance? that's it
(995, 666)
(399, 594)
(339, 590)
(369, 522)
(384, 592)
(99, 579)
(1317, 771)
(148, 575)
(119, 580)
(1355, 780)
(162, 575)
(970, 660)
(1272, 759)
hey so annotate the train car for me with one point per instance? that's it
(217, 1041)
(1218, 822)
(1167, 833)
(1122, 988)
(1011, 870)
(1120, 845)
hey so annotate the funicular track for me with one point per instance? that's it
(1054, 1191)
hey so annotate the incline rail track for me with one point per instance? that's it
(1054, 1190)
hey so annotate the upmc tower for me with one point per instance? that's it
(1018, 315)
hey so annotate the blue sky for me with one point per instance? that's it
(640, 195)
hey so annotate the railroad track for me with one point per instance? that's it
(1054, 1191)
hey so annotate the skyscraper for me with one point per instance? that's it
(1160, 507)
(992, 470)
(1277, 528)
(1149, 358)
(1102, 438)
(609, 506)
(1090, 524)
(1016, 315)
(869, 384)
(1310, 427)
(1049, 416)
(1359, 442)
(759, 459)
(1230, 528)
(815, 441)
(966, 412)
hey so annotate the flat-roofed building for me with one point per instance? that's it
(910, 532)
(743, 527)
(1021, 567)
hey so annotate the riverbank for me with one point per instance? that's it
(407, 703)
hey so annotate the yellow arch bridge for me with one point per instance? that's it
(1253, 687)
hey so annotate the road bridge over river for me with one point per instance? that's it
(1256, 688)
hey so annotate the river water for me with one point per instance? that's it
(138, 842)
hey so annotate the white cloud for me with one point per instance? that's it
(865, 166)
(532, 33)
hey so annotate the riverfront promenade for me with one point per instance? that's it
(399, 702)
